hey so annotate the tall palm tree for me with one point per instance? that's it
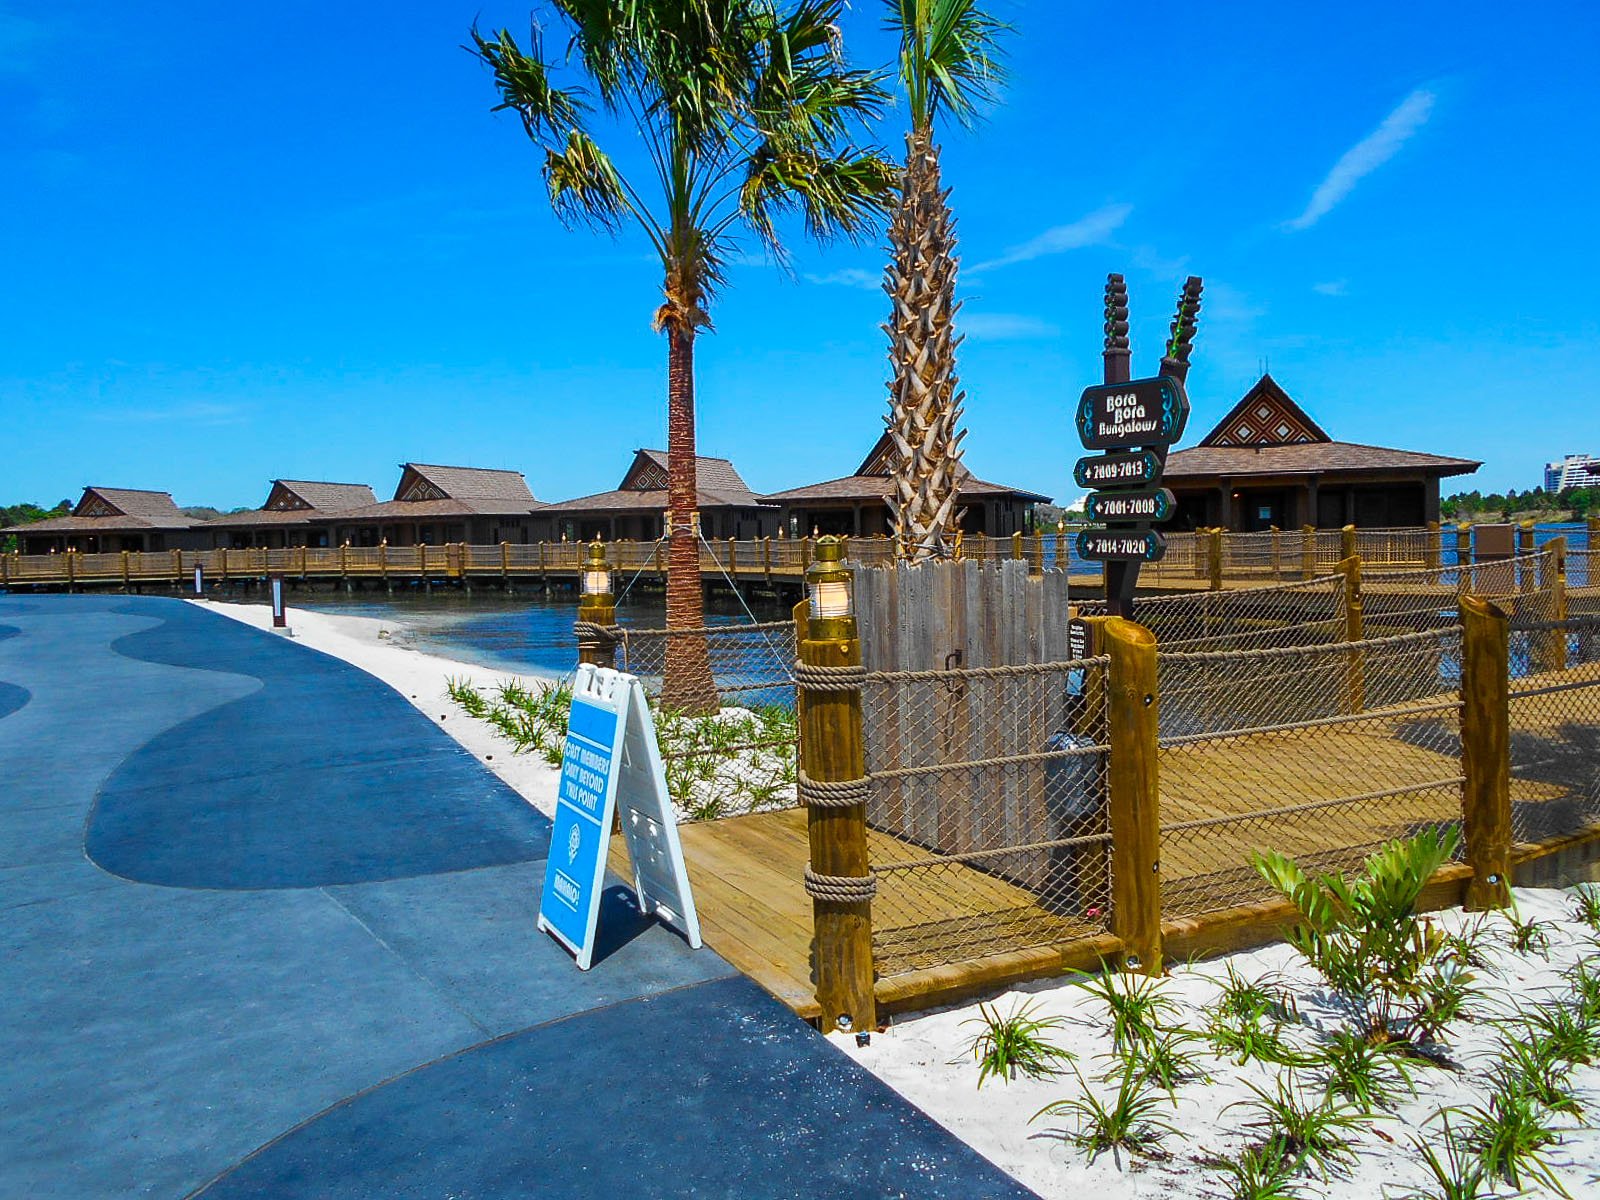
(949, 66)
(744, 109)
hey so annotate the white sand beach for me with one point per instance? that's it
(379, 648)
(927, 1059)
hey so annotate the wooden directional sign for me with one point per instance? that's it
(1152, 506)
(1138, 469)
(1141, 412)
(1120, 545)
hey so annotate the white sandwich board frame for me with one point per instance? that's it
(611, 770)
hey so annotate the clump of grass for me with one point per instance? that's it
(1509, 1134)
(1443, 993)
(1135, 1003)
(1531, 1068)
(1019, 1042)
(1586, 906)
(1264, 1172)
(1164, 1059)
(1526, 937)
(1369, 1075)
(1248, 1018)
(1563, 1034)
(468, 698)
(1310, 1130)
(1127, 1121)
(1585, 987)
(1458, 1171)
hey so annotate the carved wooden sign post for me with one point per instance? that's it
(1135, 421)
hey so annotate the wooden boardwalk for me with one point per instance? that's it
(976, 931)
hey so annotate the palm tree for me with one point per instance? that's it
(744, 109)
(949, 65)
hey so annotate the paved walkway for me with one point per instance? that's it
(267, 932)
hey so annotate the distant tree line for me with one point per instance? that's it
(1579, 502)
(26, 514)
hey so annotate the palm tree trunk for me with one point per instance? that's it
(686, 684)
(924, 403)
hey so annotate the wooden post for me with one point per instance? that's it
(1277, 552)
(1308, 552)
(1036, 555)
(597, 605)
(1347, 542)
(344, 560)
(766, 557)
(733, 558)
(177, 567)
(302, 564)
(72, 571)
(1549, 650)
(1134, 795)
(1016, 547)
(1431, 553)
(832, 750)
(125, 571)
(806, 550)
(222, 571)
(1527, 571)
(1486, 752)
(1355, 680)
(1593, 544)
(383, 558)
(1214, 558)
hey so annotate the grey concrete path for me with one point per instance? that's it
(267, 932)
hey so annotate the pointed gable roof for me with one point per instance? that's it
(1265, 416)
(868, 483)
(880, 459)
(425, 481)
(104, 510)
(716, 478)
(325, 497)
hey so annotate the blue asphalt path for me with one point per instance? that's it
(268, 932)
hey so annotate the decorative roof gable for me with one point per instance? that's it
(93, 504)
(647, 473)
(1266, 416)
(880, 459)
(283, 498)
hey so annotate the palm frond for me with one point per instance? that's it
(835, 194)
(525, 86)
(583, 183)
(950, 57)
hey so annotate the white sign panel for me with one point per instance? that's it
(611, 770)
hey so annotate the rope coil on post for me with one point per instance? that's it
(843, 793)
(590, 634)
(841, 889)
(829, 679)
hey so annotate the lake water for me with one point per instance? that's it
(509, 633)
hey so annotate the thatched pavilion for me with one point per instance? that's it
(636, 508)
(295, 513)
(113, 519)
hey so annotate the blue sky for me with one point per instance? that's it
(242, 242)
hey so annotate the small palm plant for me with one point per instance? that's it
(1020, 1042)
(1363, 935)
(1127, 1121)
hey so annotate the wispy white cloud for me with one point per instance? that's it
(1334, 287)
(1366, 156)
(1005, 327)
(853, 277)
(1091, 230)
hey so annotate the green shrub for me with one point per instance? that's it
(1363, 935)
(1264, 1172)
(1458, 1171)
(1509, 1133)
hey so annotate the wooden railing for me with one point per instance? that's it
(1199, 559)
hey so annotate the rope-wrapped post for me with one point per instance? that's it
(1308, 552)
(1527, 570)
(833, 787)
(1430, 553)
(1355, 685)
(1347, 542)
(1486, 751)
(1134, 795)
(1214, 558)
(1549, 649)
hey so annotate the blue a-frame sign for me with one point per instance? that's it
(611, 764)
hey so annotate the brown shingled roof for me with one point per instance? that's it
(130, 508)
(330, 497)
(717, 485)
(1309, 458)
(475, 483)
(875, 487)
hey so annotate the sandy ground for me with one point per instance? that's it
(379, 648)
(926, 1058)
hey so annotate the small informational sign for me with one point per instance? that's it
(1154, 505)
(1114, 545)
(280, 618)
(1117, 470)
(611, 769)
(199, 580)
(1141, 412)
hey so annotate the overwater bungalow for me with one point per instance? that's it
(636, 508)
(434, 505)
(113, 519)
(291, 515)
(855, 504)
(1267, 463)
